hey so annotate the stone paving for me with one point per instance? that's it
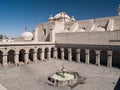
(34, 76)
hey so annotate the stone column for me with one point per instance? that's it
(62, 53)
(35, 56)
(97, 57)
(42, 55)
(16, 60)
(55, 53)
(109, 61)
(48, 54)
(69, 54)
(78, 55)
(5, 58)
(87, 56)
(26, 57)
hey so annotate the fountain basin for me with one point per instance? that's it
(63, 78)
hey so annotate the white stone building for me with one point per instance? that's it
(95, 41)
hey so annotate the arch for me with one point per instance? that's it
(82, 55)
(39, 51)
(66, 54)
(22, 55)
(31, 52)
(74, 54)
(1, 57)
(116, 59)
(103, 57)
(52, 52)
(92, 56)
(11, 57)
(46, 53)
(59, 53)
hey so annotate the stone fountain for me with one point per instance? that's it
(64, 77)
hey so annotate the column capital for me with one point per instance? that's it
(62, 49)
(42, 49)
(4, 54)
(97, 52)
(87, 51)
(69, 49)
(55, 48)
(109, 53)
(16, 53)
(26, 51)
(35, 49)
(78, 50)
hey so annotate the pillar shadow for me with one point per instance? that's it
(117, 87)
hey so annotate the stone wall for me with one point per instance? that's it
(42, 31)
(96, 38)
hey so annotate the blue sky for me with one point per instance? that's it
(16, 14)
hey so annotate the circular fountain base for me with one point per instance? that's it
(64, 78)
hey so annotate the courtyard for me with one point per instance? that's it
(34, 76)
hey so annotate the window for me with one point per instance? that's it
(44, 31)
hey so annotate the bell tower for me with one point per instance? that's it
(119, 9)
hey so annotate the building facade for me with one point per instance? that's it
(95, 41)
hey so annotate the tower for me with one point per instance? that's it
(119, 10)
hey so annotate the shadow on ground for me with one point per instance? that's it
(117, 87)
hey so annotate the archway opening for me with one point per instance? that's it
(46, 53)
(82, 55)
(66, 54)
(39, 51)
(92, 56)
(11, 55)
(59, 53)
(52, 52)
(31, 52)
(103, 57)
(22, 55)
(116, 59)
(74, 54)
(1, 57)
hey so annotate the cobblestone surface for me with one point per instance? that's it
(34, 76)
